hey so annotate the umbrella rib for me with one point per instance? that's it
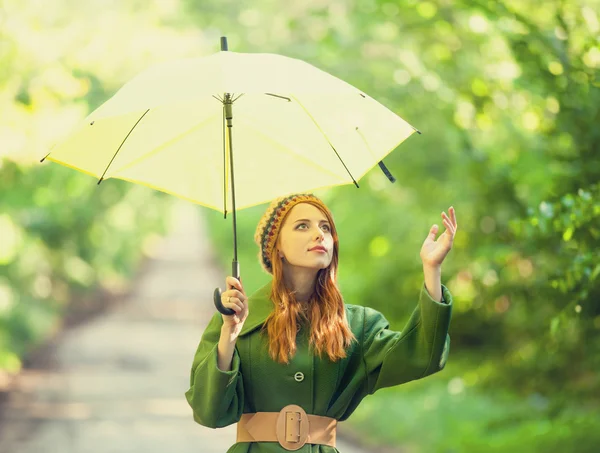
(326, 138)
(280, 97)
(164, 145)
(384, 169)
(237, 98)
(287, 150)
(121, 145)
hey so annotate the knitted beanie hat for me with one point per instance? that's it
(270, 224)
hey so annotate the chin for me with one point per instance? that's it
(324, 265)
(312, 265)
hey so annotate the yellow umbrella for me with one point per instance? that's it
(296, 129)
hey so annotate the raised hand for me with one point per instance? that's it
(434, 251)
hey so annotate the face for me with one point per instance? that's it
(304, 228)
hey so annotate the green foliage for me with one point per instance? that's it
(62, 237)
(452, 414)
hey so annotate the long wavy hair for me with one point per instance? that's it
(324, 312)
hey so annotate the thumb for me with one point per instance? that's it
(431, 236)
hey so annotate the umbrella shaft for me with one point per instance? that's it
(229, 120)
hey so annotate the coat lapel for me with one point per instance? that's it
(259, 307)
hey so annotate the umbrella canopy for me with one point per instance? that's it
(296, 128)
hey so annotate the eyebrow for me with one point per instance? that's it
(307, 220)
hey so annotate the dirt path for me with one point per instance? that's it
(117, 381)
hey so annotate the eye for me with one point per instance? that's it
(328, 228)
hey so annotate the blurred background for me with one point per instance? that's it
(507, 96)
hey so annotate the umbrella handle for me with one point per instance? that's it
(235, 271)
(220, 307)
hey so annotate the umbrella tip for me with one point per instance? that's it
(387, 173)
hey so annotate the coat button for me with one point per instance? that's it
(299, 376)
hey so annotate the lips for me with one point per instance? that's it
(318, 248)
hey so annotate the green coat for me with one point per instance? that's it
(381, 358)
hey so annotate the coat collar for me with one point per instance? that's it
(259, 307)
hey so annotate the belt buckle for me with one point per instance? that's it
(292, 427)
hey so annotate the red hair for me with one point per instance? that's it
(330, 332)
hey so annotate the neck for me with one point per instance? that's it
(301, 281)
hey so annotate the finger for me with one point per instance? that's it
(233, 283)
(432, 232)
(235, 293)
(445, 218)
(229, 302)
(449, 227)
(235, 307)
(232, 303)
(239, 303)
(453, 216)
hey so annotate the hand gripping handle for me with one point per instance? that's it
(235, 271)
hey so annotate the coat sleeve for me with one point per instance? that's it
(216, 397)
(420, 349)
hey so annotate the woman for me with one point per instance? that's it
(295, 359)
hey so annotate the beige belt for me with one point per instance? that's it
(292, 427)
